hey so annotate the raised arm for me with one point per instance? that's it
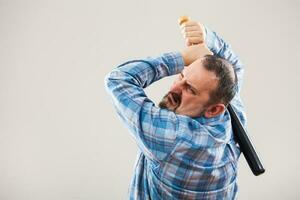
(195, 33)
(219, 47)
(153, 129)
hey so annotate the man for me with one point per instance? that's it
(187, 149)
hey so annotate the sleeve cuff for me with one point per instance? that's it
(210, 40)
(174, 62)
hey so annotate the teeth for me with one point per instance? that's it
(174, 98)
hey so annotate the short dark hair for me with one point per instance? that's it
(227, 79)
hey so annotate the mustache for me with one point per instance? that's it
(170, 101)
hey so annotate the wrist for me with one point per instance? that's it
(174, 61)
(210, 39)
(184, 58)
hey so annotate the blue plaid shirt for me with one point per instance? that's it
(179, 157)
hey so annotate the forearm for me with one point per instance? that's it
(222, 49)
(144, 72)
(140, 115)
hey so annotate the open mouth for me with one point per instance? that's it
(174, 99)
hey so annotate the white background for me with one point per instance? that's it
(60, 138)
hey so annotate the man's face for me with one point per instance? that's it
(190, 92)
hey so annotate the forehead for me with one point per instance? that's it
(199, 77)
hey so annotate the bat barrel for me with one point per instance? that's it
(245, 143)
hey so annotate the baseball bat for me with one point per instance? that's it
(245, 143)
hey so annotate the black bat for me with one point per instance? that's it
(245, 143)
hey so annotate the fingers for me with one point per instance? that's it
(190, 28)
(187, 43)
(194, 40)
(193, 32)
(189, 23)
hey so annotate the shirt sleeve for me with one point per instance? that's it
(153, 129)
(222, 49)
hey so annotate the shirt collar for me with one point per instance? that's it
(204, 120)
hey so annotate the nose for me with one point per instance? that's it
(177, 86)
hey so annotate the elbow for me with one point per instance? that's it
(112, 78)
(108, 80)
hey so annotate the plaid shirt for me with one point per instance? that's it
(179, 157)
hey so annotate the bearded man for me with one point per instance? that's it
(186, 144)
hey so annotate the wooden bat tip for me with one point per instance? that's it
(183, 19)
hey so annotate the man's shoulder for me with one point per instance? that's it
(205, 132)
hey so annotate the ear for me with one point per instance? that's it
(214, 110)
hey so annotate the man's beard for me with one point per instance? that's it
(170, 101)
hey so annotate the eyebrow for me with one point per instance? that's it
(194, 89)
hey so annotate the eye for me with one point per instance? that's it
(190, 89)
